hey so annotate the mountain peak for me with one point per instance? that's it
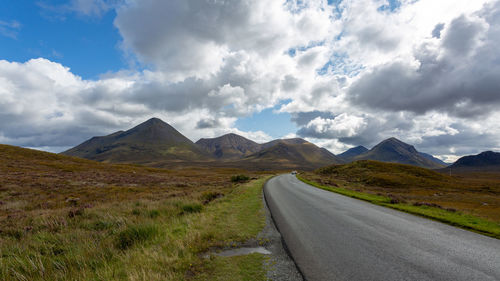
(353, 152)
(396, 151)
(150, 141)
(228, 146)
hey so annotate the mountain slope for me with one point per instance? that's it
(349, 154)
(484, 161)
(230, 146)
(434, 159)
(286, 141)
(396, 151)
(150, 142)
(286, 154)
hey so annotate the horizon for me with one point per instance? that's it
(336, 73)
(202, 138)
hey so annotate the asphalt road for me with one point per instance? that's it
(333, 237)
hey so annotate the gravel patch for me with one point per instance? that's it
(280, 265)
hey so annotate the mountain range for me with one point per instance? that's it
(158, 144)
(394, 151)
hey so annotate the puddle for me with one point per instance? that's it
(242, 251)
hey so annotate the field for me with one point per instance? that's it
(64, 218)
(468, 200)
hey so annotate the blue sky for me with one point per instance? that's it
(88, 45)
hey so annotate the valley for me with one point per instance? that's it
(148, 203)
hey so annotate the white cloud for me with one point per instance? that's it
(351, 77)
(9, 28)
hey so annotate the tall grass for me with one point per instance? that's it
(162, 240)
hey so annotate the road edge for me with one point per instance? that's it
(273, 220)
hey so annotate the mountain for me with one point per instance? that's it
(150, 142)
(230, 146)
(352, 152)
(434, 159)
(487, 160)
(396, 151)
(286, 141)
(291, 154)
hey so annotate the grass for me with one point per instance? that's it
(248, 267)
(417, 191)
(63, 218)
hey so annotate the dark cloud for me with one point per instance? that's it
(207, 124)
(462, 36)
(302, 118)
(460, 78)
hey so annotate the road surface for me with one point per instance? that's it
(333, 237)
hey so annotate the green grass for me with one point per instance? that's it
(458, 219)
(377, 199)
(245, 268)
(141, 240)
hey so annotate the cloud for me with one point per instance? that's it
(456, 74)
(87, 8)
(351, 74)
(9, 28)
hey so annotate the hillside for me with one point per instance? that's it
(396, 151)
(88, 220)
(433, 159)
(477, 194)
(487, 160)
(230, 146)
(150, 142)
(349, 154)
(296, 154)
(286, 141)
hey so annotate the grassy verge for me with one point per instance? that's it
(144, 239)
(455, 218)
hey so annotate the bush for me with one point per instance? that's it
(210, 196)
(191, 208)
(135, 234)
(154, 214)
(239, 178)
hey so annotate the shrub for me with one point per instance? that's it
(135, 234)
(239, 178)
(191, 208)
(154, 214)
(210, 196)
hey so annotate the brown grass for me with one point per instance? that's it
(67, 218)
(471, 193)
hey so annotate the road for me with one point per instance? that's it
(333, 237)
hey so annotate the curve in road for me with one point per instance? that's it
(333, 237)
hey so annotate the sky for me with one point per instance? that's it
(339, 73)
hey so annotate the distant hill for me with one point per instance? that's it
(396, 151)
(230, 146)
(150, 142)
(434, 159)
(291, 154)
(156, 143)
(487, 160)
(286, 141)
(349, 154)
(383, 174)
